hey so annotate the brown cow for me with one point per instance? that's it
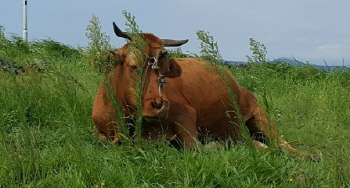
(192, 105)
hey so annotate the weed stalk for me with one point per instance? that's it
(137, 47)
(210, 53)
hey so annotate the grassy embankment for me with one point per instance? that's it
(46, 136)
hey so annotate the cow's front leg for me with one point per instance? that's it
(185, 128)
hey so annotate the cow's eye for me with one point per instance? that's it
(133, 67)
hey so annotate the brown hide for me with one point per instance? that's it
(195, 102)
(199, 102)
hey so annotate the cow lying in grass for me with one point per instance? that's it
(194, 103)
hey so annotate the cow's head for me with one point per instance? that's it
(152, 58)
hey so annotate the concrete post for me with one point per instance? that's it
(25, 28)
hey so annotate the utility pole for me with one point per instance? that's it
(25, 28)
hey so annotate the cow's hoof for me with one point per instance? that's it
(260, 146)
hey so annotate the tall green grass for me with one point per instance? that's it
(46, 136)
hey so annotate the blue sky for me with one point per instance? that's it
(307, 30)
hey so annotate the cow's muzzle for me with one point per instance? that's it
(156, 109)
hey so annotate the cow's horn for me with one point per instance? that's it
(120, 33)
(169, 42)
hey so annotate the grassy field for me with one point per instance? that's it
(46, 136)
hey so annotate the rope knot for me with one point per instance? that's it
(153, 62)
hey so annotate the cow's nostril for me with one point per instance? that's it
(153, 104)
(157, 103)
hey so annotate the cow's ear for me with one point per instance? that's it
(170, 68)
(118, 59)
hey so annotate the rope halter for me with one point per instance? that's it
(153, 62)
